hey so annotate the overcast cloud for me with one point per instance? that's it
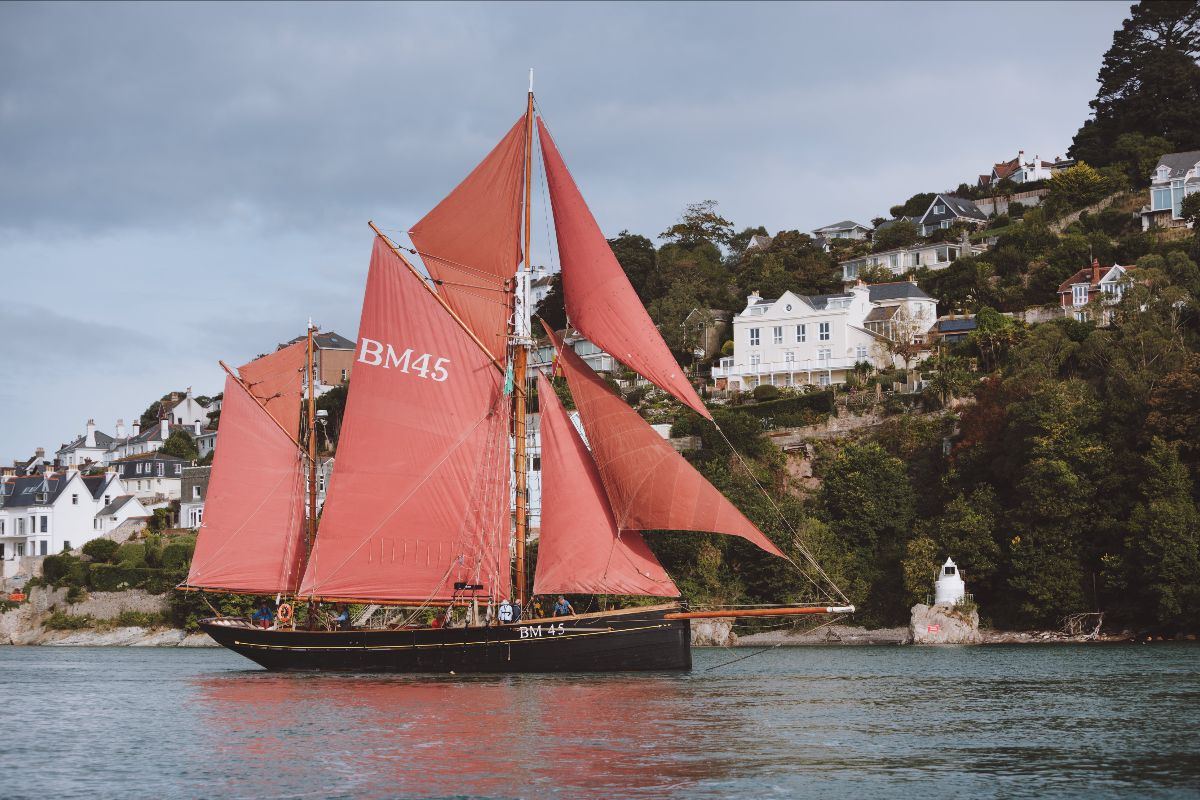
(182, 183)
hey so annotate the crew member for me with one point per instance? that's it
(505, 612)
(563, 608)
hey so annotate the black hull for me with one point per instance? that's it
(617, 641)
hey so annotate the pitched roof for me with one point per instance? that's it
(115, 505)
(153, 455)
(962, 206)
(95, 484)
(23, 492)
(900, 290)
(821, 301)
(1179, 163)
(1085, 275)
(881, 314)
(1006, 168)
(844, 225)
(103, 442)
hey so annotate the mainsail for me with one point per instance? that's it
(600, 301)
(580, 549)
(420, 498)
(649, 485)
(470, 241)
(251, 539)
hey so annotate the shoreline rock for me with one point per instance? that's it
(26, 624)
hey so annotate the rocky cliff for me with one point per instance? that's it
(103, 612)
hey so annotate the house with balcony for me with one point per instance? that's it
(542, 357)
(43, 514)
(846, 229)
(904, 260)
(797, 340)
(1176, 176)
(1107, 285)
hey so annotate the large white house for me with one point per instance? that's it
(796, 339)
(90, 448)
(43, 514)
(151, 477)
(1176, 176)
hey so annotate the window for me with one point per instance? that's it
(916, 259)
(823, 355)
(754, 337)
(801, 334)
(535, 463)
(894, 260)
(42, 547)
(789, 357)
(823, 331)
(74, 499)
(20, 548)
(1, 551)
(755, 359)
(823, 379)
(20, 526)
(345, 375)
(944, 224)
(851, 271)
(96, 524)
(1079, 295)
(160, 469)
(777, 334)
(45, 525)
(196, 489)
(41, 497)
(1, 527)
(939, 209)
(107, 499)
(1160, 199)
(179, 469)
(860, 352)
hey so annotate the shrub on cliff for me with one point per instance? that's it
(62, 621)
(100, 550)
(177, 554)
(131, 554)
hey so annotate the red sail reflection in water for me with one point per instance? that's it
(433, 735)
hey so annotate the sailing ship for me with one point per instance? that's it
(417, 517)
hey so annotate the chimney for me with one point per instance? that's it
(189, 391)
(90, 440)
(1020, 157)
(120, 429)
(753, 298)
(1095, 270)
(137, 427)
(198, 428)
(40, 453)
(165, 429)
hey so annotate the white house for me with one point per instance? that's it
(1176, 176)
(186, 412)
(145, 441)
(903, 260)
(151, 477)
(193, 494)
(797, 339)
(846, 229)
(206, 442)
(1106, 284)
(90, 448)
(43, 514)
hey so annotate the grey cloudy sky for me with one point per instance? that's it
(181, 183)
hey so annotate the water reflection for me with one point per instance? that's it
(441, 736)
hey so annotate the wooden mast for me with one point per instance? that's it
(520, 360)
(312, 444)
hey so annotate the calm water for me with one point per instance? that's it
(804, 722)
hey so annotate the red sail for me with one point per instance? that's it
(471, 240)
(649, 485)
(276, 380)
(580, 549)
(252, 537)
(419, 499)
(601, 303)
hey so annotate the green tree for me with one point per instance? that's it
(1075, 187)
(1138, 154)
(333, 402)
(866, 495)
(901, 233)
(700, 222)
(914, 206)
(553, 308)
(181, 445)
(1165, 540)
(637, 257)
(1149, 82)
(1191, 207)
(920, 567)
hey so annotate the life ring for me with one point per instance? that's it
(285, 613)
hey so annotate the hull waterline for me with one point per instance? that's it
(616, 641)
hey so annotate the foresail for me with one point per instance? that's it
(420, 497)
(252, 536)
(276, 380)
(600, 301)
(649, 485)
(580, 548)
(471, 240)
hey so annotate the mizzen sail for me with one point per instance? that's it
(649, 485)
(420, 497)
(252, 536)
(600, 301)
(580, 548)
(471, 240)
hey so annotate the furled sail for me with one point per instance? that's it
(420, 498)
(649, 485)
(600, 301)
(252, 536)
(276, 380)
(471, 240)
(580, 548)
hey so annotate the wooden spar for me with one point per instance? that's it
(760, 612)
(520, 360)
(261, 405)
(312, 444)
(417, 274)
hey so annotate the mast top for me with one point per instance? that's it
(531, 80)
